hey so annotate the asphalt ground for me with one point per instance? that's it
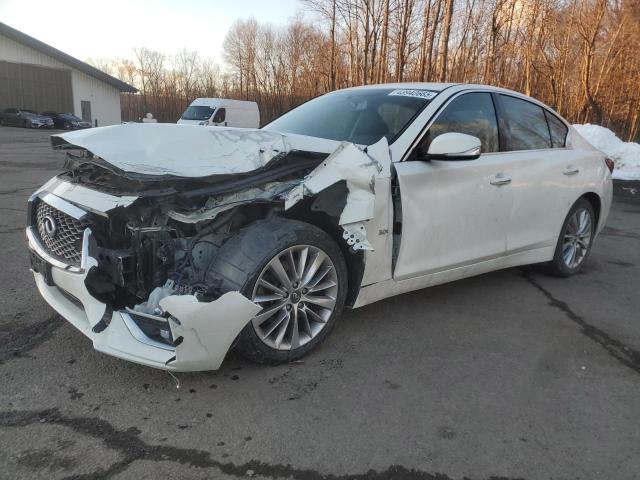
(509, 375)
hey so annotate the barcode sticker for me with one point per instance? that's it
(426, 94)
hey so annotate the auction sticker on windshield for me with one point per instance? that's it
(426, 94)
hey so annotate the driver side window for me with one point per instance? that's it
(220, 116)
(471, 113)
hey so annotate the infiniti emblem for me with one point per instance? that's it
(50, 226)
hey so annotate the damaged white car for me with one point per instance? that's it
(167, 245)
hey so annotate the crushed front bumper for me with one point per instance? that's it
(203, 332)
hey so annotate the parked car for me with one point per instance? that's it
(66, 121)
(24, 118)
(221, 112)
(166, 245)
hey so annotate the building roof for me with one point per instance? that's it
(36, 44)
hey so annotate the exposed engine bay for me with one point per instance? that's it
(156, 232)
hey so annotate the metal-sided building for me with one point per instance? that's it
(36, 76)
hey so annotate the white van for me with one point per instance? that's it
(222, 112)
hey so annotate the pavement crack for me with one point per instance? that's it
(618, 350)
(133, 448)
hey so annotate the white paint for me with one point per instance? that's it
(104, 98)
(360, 171)
(453, 144)
(238, 113)
(208, 328)
(189, 151)
(98, 202)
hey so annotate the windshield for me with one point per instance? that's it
(70, 116)
(358, 116)
(197, 113)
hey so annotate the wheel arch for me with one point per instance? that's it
(323, 211)
(596, 203)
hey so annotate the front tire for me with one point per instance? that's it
(575, 240)
(297, 273)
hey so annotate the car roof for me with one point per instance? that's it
(437, 87)
(455, 88)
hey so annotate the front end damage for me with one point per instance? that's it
(122, 244)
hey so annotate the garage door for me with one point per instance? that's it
(36, 88)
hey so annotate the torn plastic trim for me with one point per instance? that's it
(218, 204)
(207, 329)
(359, 169)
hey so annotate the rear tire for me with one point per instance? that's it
(575, 240)
(272, 263)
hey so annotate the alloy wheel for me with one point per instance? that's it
(577, 238)
(297, 291)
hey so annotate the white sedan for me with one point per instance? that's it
(167, 245)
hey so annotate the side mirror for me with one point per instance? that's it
(454, 146)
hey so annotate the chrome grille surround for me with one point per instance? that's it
(59, 233)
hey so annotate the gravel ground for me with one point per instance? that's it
(508, 375)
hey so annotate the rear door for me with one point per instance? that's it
(544, 173)
(454, 213)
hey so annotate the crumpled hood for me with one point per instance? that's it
(186, 150)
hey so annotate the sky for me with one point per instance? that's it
(96, 29)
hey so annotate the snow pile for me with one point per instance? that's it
(625, 154)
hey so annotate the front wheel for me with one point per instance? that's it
(296, 273)
(575, 240)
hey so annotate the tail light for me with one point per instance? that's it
(610, 164)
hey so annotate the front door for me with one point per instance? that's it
(455, 213)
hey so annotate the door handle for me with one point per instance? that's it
(571, 170)
(500, 179)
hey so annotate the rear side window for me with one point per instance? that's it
(527, 124)
(558, 130)
(471, 113)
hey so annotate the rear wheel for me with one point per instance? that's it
(296, 273)
(575, 240)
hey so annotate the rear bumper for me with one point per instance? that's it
(205, 331)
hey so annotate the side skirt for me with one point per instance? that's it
(391, 288)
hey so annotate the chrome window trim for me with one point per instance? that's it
(437, 113)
